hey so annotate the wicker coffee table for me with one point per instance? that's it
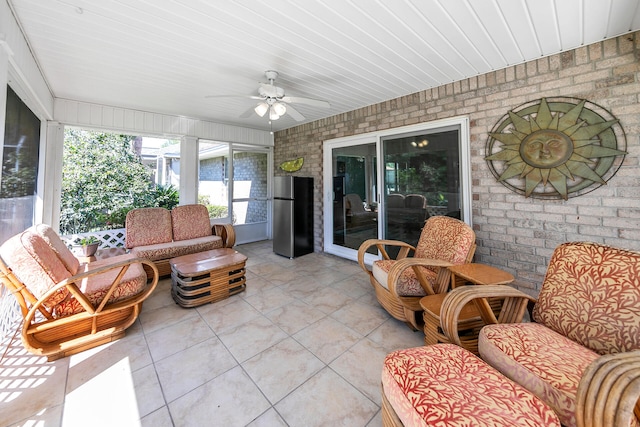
(207, 276)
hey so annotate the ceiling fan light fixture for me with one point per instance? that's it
(261, 109)
(273, 114)
(279, 108)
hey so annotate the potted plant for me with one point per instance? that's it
(89, 245)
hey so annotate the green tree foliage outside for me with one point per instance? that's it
(103, 179)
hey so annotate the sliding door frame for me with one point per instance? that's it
(464, 145)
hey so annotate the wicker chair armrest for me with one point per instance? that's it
(399, 267)
(226, 232)
(609, 391)
(513, 308)
(380, 244)
(103, 307)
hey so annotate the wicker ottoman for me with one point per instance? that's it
(444, 384)
(207, 276)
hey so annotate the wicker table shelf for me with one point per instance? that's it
(207, 277)
(469, 315)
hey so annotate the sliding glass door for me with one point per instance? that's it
(354, 195)
(387, 184)
(421, 179)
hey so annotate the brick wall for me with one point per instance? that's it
(515, 233)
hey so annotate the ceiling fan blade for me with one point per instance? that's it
(247, 113)
(308, 101)
(295, 114)
(235, 96)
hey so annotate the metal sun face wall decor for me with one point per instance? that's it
(555, 148)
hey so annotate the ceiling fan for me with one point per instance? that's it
(275, 103)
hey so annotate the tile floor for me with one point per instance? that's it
(302, 346)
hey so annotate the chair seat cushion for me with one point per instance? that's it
(543, 361)
(163, 251)
(444, 384)
(408, 284)
(96, 287)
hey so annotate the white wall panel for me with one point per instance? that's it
(32, 83)
(75, 113)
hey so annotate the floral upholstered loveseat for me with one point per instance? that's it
(588, 310)
(69, 307)
(160, 234)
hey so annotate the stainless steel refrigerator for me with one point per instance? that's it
(292, 216)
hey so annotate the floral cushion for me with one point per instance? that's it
(591, 294)
(543, 361)
(147, 226)
(407, 284)
(96, 287)
(56, 243)
(445, 385)
(443, 238)
(178, 248)
(36, 265)
(190, 222)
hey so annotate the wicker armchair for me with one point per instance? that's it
(400, 283)
(588, 310)
(69, 307)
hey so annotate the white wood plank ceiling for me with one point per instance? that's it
(165, 56)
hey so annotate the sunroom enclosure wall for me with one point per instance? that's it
(514, 233)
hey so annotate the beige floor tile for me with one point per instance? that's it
(228, 314)
(178, 336)
(190, 368)
(161, 296)
(270, 419)
(355, 286)
(158, 418)
(48, 417)
(266, 269)
(361, 366)
(132, 347)
(162, 317)
(394, 335)
(277, 379)
(326, 400)
(251, 338)
(269, 299)
(293, 317)
(86, 398)
(327, 338)
(327, 299)
(300, 289)
(376, 421)
(255, 285)
(362, 318)
(283, 276)
(229, 400)
(30, 386)
(148, 391)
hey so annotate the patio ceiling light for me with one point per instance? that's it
(261, 109)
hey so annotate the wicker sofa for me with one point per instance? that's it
(159, 234)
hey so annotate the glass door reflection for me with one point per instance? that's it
(355, 207)
(421, 179)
